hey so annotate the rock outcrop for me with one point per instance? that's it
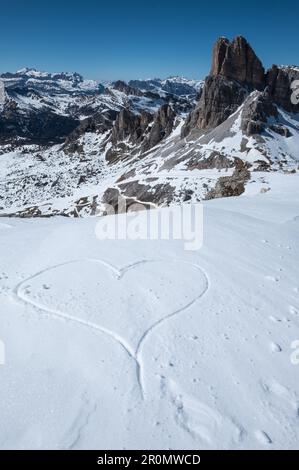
(125, 126)
(99, 122)
(220, 98)
(236, 60)
(236, 72)
(161, 128)
(228, 186)
(279, 81)
(129, 129)
(257, 111)
(125, 88)
(142, 130)
(129, 125)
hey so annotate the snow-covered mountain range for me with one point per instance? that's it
(70, 146)
(135, 342)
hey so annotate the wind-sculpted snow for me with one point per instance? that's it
(136, 310)
(134, 344)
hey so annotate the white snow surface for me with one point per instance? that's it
(141, 344)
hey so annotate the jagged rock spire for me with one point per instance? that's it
(236, 60)
(235, 72)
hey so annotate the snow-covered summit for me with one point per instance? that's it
(68, 82)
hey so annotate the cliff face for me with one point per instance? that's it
(142, 131)
(236, 60)
(162, 127)
(235, 73)
(220, 98)
(61, 136)
(279, 81)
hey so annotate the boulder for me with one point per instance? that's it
(228, 186)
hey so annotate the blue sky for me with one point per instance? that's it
(137, 39)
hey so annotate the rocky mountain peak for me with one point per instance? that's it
(236, 60)
(123, 87)
(162, 127)
(236, 71)
(219, 53)
(279, 81)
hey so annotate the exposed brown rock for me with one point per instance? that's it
(279, 81)
(162, 127)
(219, 54)
(228, 186)
(236, 60)
(235, 72)
(220, 98)
(215, 160)
(130, 125)
(258, 109)
(125, 126)
(119, 203)
(139, 129)
(160, 194)
(125, 88)
(281, 130)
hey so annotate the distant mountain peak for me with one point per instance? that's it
(26, 70)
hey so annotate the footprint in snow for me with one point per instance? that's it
(275, 319)
(263, 438)
(274, 347)
(276, 389)
(199, 420)
(293, 310)
(272, 278)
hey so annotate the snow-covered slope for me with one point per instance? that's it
(174, 171)
(141, 344)
(70, 146)
(276, 147)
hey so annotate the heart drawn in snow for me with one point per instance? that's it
(125, 304)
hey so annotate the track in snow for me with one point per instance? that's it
(22, 294)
